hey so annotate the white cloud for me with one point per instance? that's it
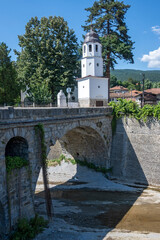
(156, 29)
(153, 59)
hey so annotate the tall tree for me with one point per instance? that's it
(147, 84)
(9, 89)
(107, 18)
(48, 59)
(113, 81)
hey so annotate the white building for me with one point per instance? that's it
(92, 86)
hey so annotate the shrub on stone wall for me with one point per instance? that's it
(125, 108)
(15, 163)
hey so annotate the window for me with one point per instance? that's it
(83, 65)
(90, 48)
(98, 86)
(90, 64)
(96, 48)
(84, 49)
(97, 64)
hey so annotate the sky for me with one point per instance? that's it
(142, 19)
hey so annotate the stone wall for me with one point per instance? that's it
(2, 221)
(135, 154)
(20, 197)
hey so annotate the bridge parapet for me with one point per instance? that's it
(11, 115)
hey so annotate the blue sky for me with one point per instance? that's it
(143, 21)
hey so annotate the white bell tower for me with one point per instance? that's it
(92, 86)
(92, 62)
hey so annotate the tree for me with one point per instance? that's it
(113, 81)
(48, 59)
(107, 18)
(132, 84)
(147, 84)
(9, 89)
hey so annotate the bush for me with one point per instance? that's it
(132, 109)
(28, 229)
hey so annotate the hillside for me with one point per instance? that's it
(124, 74)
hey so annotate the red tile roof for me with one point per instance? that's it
(118, 88)
(130, 94)
(153, 90)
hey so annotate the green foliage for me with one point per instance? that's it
(124, 108)
(15, 163)
(156, 84)
(131, 84)
(107, 18)
(39, 129)
(125, 74)
(9, 88)
(113, 81)
(147, 84)
(156, 112)
(49, 58)
(27, 230)
(80, 162)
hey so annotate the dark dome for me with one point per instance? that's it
(91, 37)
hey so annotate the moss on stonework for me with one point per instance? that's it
(15, 163)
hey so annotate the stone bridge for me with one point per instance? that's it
(83, 133)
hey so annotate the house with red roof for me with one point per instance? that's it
(118, 89)
(155, 91)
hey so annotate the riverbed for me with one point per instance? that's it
(87, 206)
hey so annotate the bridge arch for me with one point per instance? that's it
(83, 143)
(17, 146)
(19, 190)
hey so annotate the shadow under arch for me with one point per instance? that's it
(19, 192)
(17, 146)
(84, 143)
(2, 222)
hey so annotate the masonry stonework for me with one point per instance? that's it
(135, 154)
(85, 133)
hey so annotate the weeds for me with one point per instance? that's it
(28, 229)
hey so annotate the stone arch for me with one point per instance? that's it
(2, 222)
(83, 143)
(17, 146)
(19, 185)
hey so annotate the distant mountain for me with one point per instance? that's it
(124, 74)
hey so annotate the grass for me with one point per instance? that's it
(55, 162)
(28, 229)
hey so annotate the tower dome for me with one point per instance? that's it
(91, 37)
